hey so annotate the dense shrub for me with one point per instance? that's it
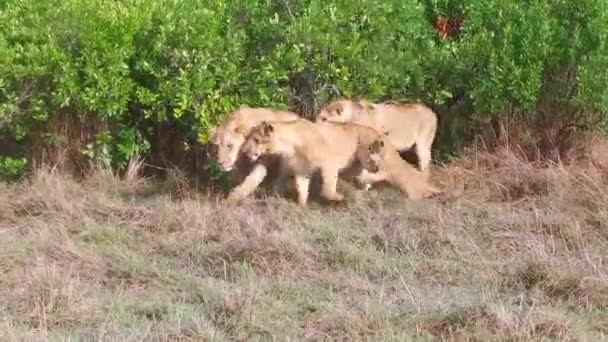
(110, 79)
(541, 61)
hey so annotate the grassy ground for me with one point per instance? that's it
(518, 252)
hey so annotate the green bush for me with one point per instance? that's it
(124, 71)
(542, 60)
(12, 168)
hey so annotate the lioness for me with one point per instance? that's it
(407, 124)
(386, 164)
(228, 139)
(307, 147)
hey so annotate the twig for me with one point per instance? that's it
(286, 4)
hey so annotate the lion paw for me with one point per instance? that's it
(235, 197)
(337, 197)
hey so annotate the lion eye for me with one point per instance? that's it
(229, 145)
(256, 140)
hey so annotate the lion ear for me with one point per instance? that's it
(267, 128)
(339, 109)
(239, 130)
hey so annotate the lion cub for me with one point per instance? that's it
(307, 147)
(386, 164)
(407, 124)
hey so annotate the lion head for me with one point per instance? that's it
(261, 140)
(226, 143)
(342, 110)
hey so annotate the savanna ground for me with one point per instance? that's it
(517, 252)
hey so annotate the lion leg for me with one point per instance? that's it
(369, 179)
(416, 187)
(330, 183)
(423, 149)
(411, 187)
(365, 185)
(251, 182)
(424, 156)
(302, 187)
(412, 192)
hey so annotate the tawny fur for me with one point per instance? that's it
(406, 124)
(307, 147)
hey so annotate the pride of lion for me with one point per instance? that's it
(356, 140)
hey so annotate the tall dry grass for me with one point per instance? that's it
(514, 250)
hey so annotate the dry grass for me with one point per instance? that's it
(516, 252)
